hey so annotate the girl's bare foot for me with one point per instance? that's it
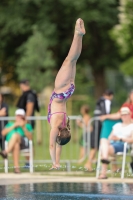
(79, 27)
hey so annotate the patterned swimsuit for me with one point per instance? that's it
(63, 95)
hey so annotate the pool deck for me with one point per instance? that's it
(11, 178)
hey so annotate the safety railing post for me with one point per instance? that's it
(68, 166)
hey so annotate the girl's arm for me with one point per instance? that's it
(52, 144)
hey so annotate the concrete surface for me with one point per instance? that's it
(11, 178)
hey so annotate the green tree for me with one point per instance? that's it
(124, 37)
(36, 60)
(54, 22)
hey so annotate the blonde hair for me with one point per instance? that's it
(65, 135)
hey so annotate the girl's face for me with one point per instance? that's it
(131, 97)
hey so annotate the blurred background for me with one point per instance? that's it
(35, 36)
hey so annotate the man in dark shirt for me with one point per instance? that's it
(103, 107)
(28, 100)
(3, 113)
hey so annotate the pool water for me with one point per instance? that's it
(67, 191)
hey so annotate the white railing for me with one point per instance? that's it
(70, 152)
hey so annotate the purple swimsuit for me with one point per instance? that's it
(63, 95)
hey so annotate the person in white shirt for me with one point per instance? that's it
(122, 132)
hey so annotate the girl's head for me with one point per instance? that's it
(85, 110)
(64, 134)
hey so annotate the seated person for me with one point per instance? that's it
(3, 113)
(16, 134)
(111, 119)
(122, 132)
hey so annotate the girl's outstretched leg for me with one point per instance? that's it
(76, 46)
(67, 72)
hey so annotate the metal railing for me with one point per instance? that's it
(70, 152)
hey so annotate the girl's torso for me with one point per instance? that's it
(57, 102)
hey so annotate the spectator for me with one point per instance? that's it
(116, 116)
(3, 113)
(103, 107)
(110, 120)
(15, 133)
(122, 132)
(84, 125)
(28, 100)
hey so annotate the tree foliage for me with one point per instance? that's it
(36, 36)
(35, 60)
(124, 37)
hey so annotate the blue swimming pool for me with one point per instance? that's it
(67, 191)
